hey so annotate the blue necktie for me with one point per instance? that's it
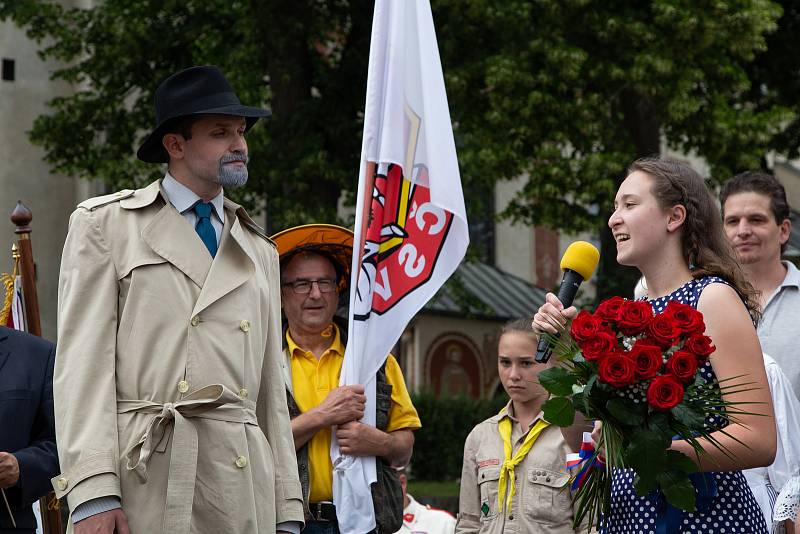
(204, 227)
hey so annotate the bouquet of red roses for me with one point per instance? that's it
(638, 373)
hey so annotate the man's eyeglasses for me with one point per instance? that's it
(302, 287)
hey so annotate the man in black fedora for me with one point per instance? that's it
(170, 410)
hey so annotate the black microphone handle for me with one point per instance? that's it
(570, 283)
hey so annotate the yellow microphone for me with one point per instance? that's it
(578, 263)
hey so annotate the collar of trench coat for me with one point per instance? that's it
(168, 235)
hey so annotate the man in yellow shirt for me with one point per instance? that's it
(315, 263)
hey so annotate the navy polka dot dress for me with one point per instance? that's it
(734, 510)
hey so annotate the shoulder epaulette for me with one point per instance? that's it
(92, 204)
(247, 221)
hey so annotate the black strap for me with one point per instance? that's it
(322, 511)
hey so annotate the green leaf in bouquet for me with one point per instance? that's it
(678, 489)
(680, 462)
(559, 411)
(578, 403)
(612, 439)
(588, 389)
(646, 454)
(688, 415)
(557, 380)
(659, 422)
(644, 485)
(564, 347)
(592, 499)
(625, 411)
(595, 398)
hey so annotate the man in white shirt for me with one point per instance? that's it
(170, 408)
(756, 218)
(422, 519)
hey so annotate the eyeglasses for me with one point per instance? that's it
(302, 287)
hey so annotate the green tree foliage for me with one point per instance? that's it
(776, 77)
(306, 60)
(446, 422)
(565, 92)
(569, 92)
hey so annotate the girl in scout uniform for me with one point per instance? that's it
(514, 477)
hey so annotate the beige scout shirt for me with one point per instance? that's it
(542, 502)
(168, 386)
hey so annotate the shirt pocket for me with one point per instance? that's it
(488, 479)
(547, 498)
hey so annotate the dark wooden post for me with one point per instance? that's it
(22, 217)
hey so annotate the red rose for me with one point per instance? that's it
(683, 365)
(585, 326)
(687, 319)
(664, 392)
(617, 370)
(598, 345)
(609, 310)
(699, 345)
(634, 317)
(663, 330)
(647, 358)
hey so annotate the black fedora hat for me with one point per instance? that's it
(193, 91)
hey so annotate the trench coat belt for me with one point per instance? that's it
(210, 402)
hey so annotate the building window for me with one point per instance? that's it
(480, 214)
(8, 70)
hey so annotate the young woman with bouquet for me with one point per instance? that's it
(514, 477)
(666, 224)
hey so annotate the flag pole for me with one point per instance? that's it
(8, 507)
(366, 207)
(21, 216)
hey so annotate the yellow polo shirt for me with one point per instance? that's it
(312, 380)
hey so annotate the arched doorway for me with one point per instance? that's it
(453, 366)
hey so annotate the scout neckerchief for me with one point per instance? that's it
(507, 471)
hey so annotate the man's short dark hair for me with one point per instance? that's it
(182, 126)
(761, 183)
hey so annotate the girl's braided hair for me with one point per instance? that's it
(705, 246)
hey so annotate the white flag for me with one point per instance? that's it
(410, 217)
(17, 306)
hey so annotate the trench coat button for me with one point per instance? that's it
(241, 462)
(61, 484)
(244, 326)
(243, 393)
(547, 479)
(195, 320)
(183, 386)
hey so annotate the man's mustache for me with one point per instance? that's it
(230, 158)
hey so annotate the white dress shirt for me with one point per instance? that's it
(777, 487)
(184, 199)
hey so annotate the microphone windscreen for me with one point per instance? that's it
(581, 257)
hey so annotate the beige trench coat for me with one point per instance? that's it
(167, 363)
